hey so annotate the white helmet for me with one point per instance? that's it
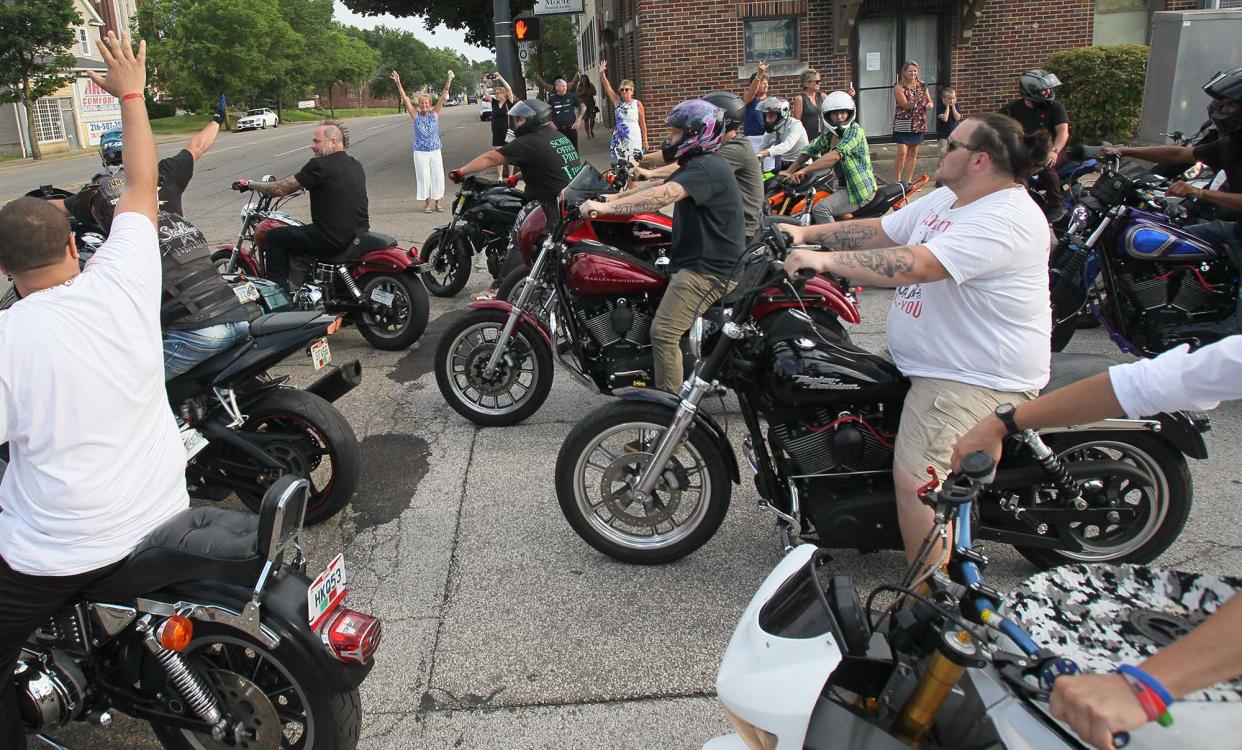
(774, 105)
(835, 102)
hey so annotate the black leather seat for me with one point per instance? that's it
(1070, 368)
(281, 321)
(199, 544)
(881, 197)
(368, 241)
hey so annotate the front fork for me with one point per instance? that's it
(515, 312)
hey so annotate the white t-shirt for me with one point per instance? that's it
(989, 323)
(1180, 379)
(96, 459)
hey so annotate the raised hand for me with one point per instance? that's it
(396, 77)
(603, 66)
(763, 68)
(127, 71)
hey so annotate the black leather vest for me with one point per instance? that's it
(195, 295)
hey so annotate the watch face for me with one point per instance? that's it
(1004, 410)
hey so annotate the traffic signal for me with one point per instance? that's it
(526, 29)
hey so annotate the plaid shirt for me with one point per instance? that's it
(855, 160)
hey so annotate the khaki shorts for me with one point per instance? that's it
(936, 414)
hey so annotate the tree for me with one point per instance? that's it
(346, 60)
(475, 16)
(556, 52)
(35, 37)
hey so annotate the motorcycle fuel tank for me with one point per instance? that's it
(806, 369)
(1149, 237)
(596, 270)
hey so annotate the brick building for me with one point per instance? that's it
(678, 49)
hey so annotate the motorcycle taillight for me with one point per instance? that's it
(351, 636)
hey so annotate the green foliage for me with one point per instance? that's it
(35, 37)
(421, 67)
(1102, 90)
(556, 52)
(475, 16)
(160, 109)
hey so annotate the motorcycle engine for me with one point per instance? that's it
(50, 688)
(1175, 294)
(619, 327)
(826, 441)
(308, 297)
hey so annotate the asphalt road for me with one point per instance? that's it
(502, 628)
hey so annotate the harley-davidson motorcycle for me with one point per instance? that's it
(485, 213)
(211, 632)
(494, 364)
(373, 283)
(647, 479)
(1127, 260)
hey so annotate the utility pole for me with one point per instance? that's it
(506, 52)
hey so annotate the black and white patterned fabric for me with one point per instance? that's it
(1105, 615)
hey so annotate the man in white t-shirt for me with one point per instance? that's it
(970, 321)
(96, 462)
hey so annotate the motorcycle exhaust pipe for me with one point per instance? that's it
(338, 381)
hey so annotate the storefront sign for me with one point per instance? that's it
(554, 7)
(95, 130)
(94, 100)
(306, 104)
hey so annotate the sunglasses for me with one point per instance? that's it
(955, 144)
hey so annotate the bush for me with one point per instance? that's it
(160, 109)
(1102, 90)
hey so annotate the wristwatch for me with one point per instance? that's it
(1005, 413)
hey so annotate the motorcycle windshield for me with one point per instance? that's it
(587, 184)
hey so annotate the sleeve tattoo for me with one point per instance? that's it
(843, 236)
(645, 201)
(889, 263)
(277, 189)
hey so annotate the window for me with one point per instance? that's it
(47, 121)
(1122, 21)
(84, 41)
(771, 39)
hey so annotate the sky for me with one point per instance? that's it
(441, 36)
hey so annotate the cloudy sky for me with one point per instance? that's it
(454, 39)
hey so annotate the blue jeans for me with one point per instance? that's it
(185, 349)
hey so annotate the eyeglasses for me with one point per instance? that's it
(955, 144)
(816, 81)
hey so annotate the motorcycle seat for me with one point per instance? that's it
(198, 544)
(281, 321)
(881, 198)
(1070, 368)
(368, 241)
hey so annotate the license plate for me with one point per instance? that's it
(246, 292)
(382, 297)
(320, 354)
(326, 591)
(193, 442)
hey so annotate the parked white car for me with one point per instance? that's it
(258, 119)
(485, 105)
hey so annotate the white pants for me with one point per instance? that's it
(429, 174)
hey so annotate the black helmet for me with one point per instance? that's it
(106, 190)
(535, 112)
(1225, 86)
(732, 106)
(1033, 83)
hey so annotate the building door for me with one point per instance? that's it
(882, 44)
(69, 124)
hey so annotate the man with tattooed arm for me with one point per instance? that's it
(969, 325)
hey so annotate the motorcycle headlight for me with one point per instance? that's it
(1079, 218)
(696, 337)
(754, 737)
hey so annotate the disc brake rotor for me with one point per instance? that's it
(620, 480)
(502, 379)
(255, 723)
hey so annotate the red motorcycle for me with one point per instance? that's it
(374, 284)
(586, 304)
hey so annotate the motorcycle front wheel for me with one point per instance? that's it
(599, 466)
(448, 270)
(1161, 507)
(405, 318)
(278, 701)
(518, 387)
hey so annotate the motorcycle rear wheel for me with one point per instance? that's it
(254, 684)
(410, 310)
(448, 272)
(1162, 507)
(604, 455)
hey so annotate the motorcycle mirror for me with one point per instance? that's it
(268, 178)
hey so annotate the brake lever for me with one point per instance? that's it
(1048, 668)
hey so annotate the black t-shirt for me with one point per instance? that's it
(1043, 116)
(944, 129)
(500, 120)
(338, 197)
(1224, 153)
(175, 174)
(547, 160)
(564, 109)
(709, 228)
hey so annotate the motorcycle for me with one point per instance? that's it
(1126, 260)
(949, 664)
(484, 216)
(243, 429)
(494, 364)
(647, 479)
(213, 635)
(787, 199)
(373, 283)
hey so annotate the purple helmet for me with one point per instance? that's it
(703, 123)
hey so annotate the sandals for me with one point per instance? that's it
(426, 209)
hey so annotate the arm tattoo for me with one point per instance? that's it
(889, 263)
(645, 201)
(843, 236)
(277, 189)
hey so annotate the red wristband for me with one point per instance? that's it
(132, 95)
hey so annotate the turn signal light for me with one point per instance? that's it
(175, 633)
(352, 637)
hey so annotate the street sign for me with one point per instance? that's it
(555, 7)
(526, 50)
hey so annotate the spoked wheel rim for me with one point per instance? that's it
(392, 323)
(443, 265)
(513, 383)
(311, 459)
(1111, 541)
(254, 689)
(608, 470)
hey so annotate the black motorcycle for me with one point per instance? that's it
(647, 479)
(209, 632)
(243, 429)
(484, 215)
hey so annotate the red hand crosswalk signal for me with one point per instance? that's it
(526, 29)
